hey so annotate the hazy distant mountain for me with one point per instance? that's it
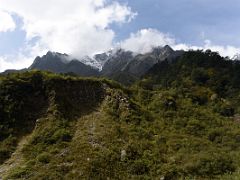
(143, 62)
(61, 63)
(9, 71)
(117, 62)
(126, 67)
(121, 65)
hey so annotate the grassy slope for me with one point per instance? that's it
(94, 129)
(80, 129)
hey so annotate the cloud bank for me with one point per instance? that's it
(80, 28)
(144, 40)
(73, 26)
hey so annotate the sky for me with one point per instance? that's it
(30, 28)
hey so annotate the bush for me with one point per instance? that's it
(61, 135)
(216, 135)
(6, 148)
(195, 127)
(139, 167)
(44, 158)
(199, 75)
(4, 154)
(227, 111)
(18, 173)
(211, 164)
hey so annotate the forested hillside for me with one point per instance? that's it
(179, 121)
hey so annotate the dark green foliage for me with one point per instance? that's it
(200, 76)
(61, 135)
(204, 68)
(7, 147)
(19, 173)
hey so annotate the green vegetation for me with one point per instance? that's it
(179, 122)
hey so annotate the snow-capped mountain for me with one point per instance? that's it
(117, 64)
(97, 61)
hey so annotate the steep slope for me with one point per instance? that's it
(16, 158)
(194, 68)
(119, 65)
(142, 63)
(117, 62)
(197, 96)
(126, 68)
(97, 61)
(28, 97)
(102, 58)
(181, 121)
(70, 129)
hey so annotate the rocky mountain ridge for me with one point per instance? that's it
(108, 64)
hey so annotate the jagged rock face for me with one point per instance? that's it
(160, 52)
(51, 61)
(60, 63)
(111, 64)
(94, 62)
(125, 62)
(97, 61)
(142, 63)
(101, 59)
(117, 62)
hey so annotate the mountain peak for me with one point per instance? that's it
(162, 51)
(168, 48)
(50, 53)
(61, 63)
(63, 57)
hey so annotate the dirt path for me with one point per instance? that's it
(15, 159)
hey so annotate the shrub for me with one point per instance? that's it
(4, 154)
(139, 167)
(199, 75)
(44, 158)
(18, 173)
(61, 135)
(211, 164)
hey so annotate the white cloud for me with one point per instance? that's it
(76, 27)
(6, 22)
(79, 28)
(22, 59)
(223, 50)
(143, 41)
(19, 62)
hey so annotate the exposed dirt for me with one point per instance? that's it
(15, 160)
